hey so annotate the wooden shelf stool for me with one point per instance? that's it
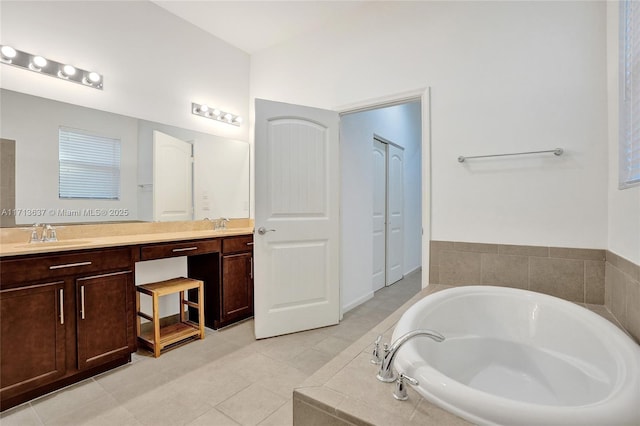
(161, 337)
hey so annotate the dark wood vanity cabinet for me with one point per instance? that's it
(33, 337)
(104, 322)
(64, 317)
(236, 288)
(228, 281)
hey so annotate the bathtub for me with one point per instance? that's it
(516, 357)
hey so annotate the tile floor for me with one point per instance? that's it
(228, 378)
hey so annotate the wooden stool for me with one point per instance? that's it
(162, 337)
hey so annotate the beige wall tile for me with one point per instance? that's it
(594, 282)
(506, 271)
(537, 251)
(575, 253)
(615, 291)
(441, 245)
(368, 413)
(632, 310)
(434, 262)
(308, 415)
(476, 247)
(624, 265)
(459, 268)
(558, 277)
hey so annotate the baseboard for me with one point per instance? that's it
(357, 302)
(416, 269)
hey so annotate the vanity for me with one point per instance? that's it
(68, 308)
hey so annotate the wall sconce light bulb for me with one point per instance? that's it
(94, 77)
(228, 116)
(238, 120)
(68, 71)
(216, 112)
(8, 52)
(37, 63)
(204, 108)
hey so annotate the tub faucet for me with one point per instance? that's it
(386, 373)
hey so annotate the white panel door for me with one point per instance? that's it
(395, 214)
(297, 206)
(172, 178)
(379, 214)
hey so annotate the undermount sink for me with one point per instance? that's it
(53, 244)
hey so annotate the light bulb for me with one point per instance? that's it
(216, 112)
(204, 108)
(228, 116)
(238, 120)
(38, 63)
(68, 70)
(8, 52)
(94, 77)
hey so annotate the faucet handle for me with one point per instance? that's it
(400, 393)
(377, 359)
(34, 234)
(51, 231)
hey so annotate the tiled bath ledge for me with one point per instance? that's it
(346, 392)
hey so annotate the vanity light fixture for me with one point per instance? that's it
(203, 110)
(37, 63)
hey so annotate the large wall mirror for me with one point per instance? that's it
(220, 174)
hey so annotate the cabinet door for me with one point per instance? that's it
(104, 318)
(236, 298)
(33, 339)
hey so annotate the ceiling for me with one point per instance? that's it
(256, 25)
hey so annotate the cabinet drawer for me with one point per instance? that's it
(37, 268)
(189, 248)
(236, 244)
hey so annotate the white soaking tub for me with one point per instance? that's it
(516, 357)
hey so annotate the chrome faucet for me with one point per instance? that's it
(47, 234)
(221, 223)
(386, 373)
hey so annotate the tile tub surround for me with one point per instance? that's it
(346, 392)
(577, 275)
(622, 292)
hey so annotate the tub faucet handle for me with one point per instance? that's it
(400, 393)
(377, 358)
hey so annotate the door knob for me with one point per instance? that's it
(262, 230)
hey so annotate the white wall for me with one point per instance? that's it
(154, 63)
(400, 124)
(623, 205)
(505, 77)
